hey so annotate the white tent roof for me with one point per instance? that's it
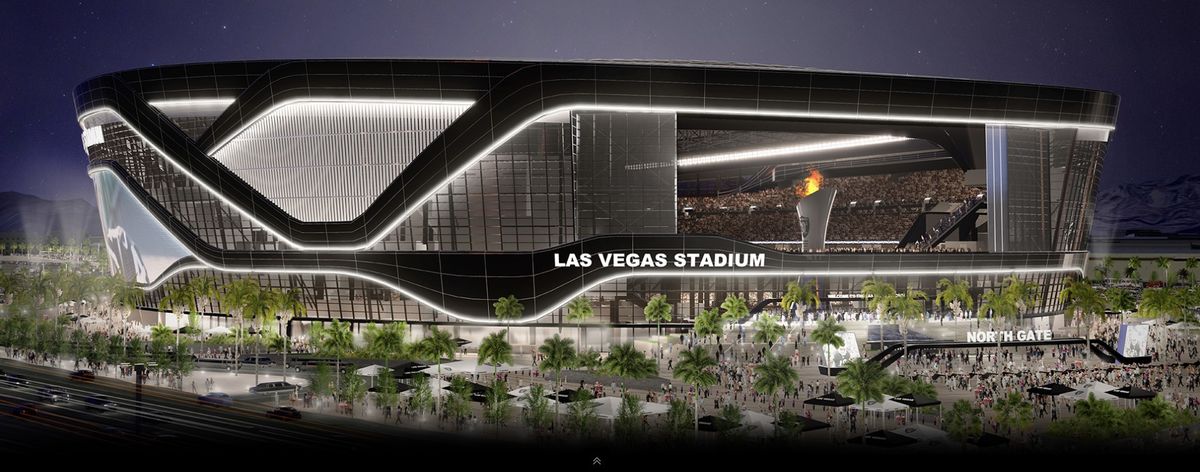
(218, 330)
(372, 370)
(1081, 392)
(436, 386)
(608, 407)
(472, 366)
(758, 423)
(927, 435)
(886, 406)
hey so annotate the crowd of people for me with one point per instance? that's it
(769, 214)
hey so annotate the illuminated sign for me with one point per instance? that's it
(660, 260)
(1008, 336)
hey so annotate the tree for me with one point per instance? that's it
(803, 296)
(1132, 267)
(558, 354)
(589, 359)
(177, 298)
(862, 380)
(438, 343)
(1013, 411)
(695, 368)
(508, 308)
(1160, 303)
(1189, 270)
(421, 399)
(129, 297)
(708, 323)
(1164, 264)
(495, 350)
(1024, 294)
(333, 340)
(578, 311)
(1081, 299)
(386, 391)
(878, 294)
(258, 307)
(767, 330)
(954, 295)
(657, 311)
(680, 419)
(735, 308)
(581, 413)
(628, 363)
(1120, 299)
(457, 405)
(906, 309)
(826, 334)
(732, 415)
(628, 423)
(999, 305)
(497, 405)
(233, 297)
(964, 421)
(537, 408)
(386, 342)
(289, 305)
(775, 373)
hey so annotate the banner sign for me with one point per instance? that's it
(660, 260)
(1007, 336)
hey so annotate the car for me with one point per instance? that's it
(272, 387)
(53, 394)
(284, 413)
(100, 402)
(25, 409)
(16, 380)
(82, 376)
(216, 399)
(259, 360)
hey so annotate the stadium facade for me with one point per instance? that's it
(423, 190)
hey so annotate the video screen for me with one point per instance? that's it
(838, 357)
(138, 247)
(1132, 340)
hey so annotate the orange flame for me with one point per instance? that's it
(811, 184)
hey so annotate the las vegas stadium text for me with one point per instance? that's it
(659, 260)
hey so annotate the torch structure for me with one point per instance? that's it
(813, 210)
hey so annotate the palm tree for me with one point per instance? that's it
(438, 343)
(386, 341)
(177, 297)
(1079, 297)
(766, 329)
(129, 297)
(772, 375)
(537, 407)
(657, 311)
(735, 308)
(695, 368)
(258, 307)
(956, 295)
(558, 354)
(708, 323)
(1120, 299)
(964, 421)
(290, 305)
(905, 309)
(203, 291)
(334, 340)
(1024, 294)
(626, 362)
(1160, 303)
(1132, 267)
(495, 350)
(508, 308)
(1190, 266)
(862, 380)
(578, 311)
(826, 335)
(234, 295)
(878, 294)
(805, 296)
(999, 304)
(1013, 411)
(1164, 263)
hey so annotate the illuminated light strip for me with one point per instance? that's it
(788, 150)
(826, 242)
(204, 264)
(187, 102)
(416, 203)
(366, 101)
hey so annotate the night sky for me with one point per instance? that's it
(1145, 51)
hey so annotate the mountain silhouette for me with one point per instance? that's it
(1171, 206)
(33, 218)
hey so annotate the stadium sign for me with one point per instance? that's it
(1008, 336)
(660, 260)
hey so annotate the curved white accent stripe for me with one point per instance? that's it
(205, 264)
(415, 204)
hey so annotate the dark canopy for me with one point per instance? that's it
(461, 342)
(916, 401)
(809, 424)
(401, 387)
(715, 423)
(988, 440)
(833, 399)
(883, 438)
(1132, 392)
(566, 395)
(1053, 389)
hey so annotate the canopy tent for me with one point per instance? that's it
(437, 387)
(1132, 393)
(916, 401)
(809, 424)
(472, 366)
(372, 370)
(886, 406)
(833, 399)
(1082, 392)
(758, 424)
(566, 395)
(461, 342)
(988, 440)
(926, 435)
(609, 407)
(1052, 389)
(714, 424)
(883, 438)
(218, 330)
(478, 392)
(401, 387)
(407, 367)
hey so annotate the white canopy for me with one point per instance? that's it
(436, 386)
(927, 435)
(1081, 392)
(372, 370)
(472, 366)
(886, 406)
(1186, 325)
(218, 330)
(608, 407)
(758, 423)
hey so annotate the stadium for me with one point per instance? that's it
(424, 190)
